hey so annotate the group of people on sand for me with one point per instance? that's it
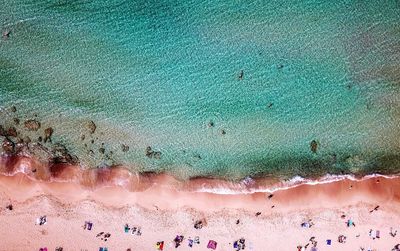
(374, 234)
(238, 245)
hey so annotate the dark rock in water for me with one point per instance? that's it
(125, 148)
(210, 124)
(314, 146)
(157, 155)
(102, 150)
(32, 125)
(48, 132)
(91, 126)
(83, 137)
(13, 108)
(152, 154)
(12, 132)
(197, 156)
(16, 121)
(149, 151)
(61, 155)
(8, 146)
(2, 131)
(40, 139)
(223, 132)
(92, 141)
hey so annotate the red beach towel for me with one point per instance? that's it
(160, 245)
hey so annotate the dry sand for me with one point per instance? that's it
(164, 207)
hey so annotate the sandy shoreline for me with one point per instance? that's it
(163, 208)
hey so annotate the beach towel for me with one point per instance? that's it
(126, 229)
(349, 223)
(212, 244)
(160, 245)
(178, 239)
(101, 249)
(328, 242)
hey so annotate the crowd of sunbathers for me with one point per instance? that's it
(238, 245)
(374, 234)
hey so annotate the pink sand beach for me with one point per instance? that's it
(364, 213)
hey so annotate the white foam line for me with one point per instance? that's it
(292, 183)
(20, 21)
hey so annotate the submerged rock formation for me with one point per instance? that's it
(152, 154)
(125, 148)
(60, 154)
(91, 126)
(12, 132)
(314, 146)
(8, 146)
(48, 132)
(32, 125)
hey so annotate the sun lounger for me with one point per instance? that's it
(378, 234)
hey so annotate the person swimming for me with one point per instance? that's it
(6, 34)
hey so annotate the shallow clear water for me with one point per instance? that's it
(155, 73)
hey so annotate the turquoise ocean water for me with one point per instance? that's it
(156, 73)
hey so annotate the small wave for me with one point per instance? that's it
(289, 184)
(122, 177)
(19, 22)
